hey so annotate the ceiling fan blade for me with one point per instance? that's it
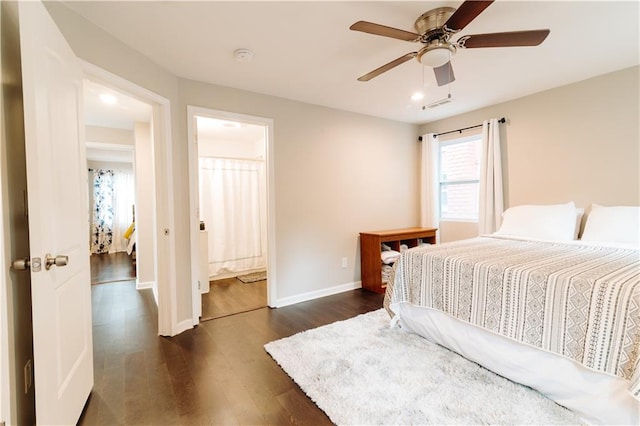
(387, 67)
(444, 74)
(509, 39)
(466, 13)
(383, 30)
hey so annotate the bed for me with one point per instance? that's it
(556, 314)
(130, 236)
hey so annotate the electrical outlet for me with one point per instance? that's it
(344, 262)
(28, 375)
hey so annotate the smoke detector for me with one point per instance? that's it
(243, 55)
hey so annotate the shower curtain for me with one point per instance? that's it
(233, 207)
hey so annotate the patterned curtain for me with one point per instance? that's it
(102, 223)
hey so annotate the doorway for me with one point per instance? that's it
(117, 131)
(159, 191)
(230, 174)
(112, 216)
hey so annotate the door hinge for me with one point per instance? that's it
(198, 289)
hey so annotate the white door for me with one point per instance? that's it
(58, 219)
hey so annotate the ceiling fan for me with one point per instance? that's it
(434, 30)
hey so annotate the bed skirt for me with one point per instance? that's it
(597, 397)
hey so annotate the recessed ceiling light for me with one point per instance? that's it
(108, 99)
(418, 96)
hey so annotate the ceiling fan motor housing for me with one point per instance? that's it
(430, 24)
(437, 50)
(434, 30)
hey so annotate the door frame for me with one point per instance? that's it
(194, 220)
(165, 247)
(5, 388)
(5, 400)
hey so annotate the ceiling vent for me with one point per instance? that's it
(438, 102)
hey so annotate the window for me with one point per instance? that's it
(459, 178)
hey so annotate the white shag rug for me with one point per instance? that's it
(361, 371)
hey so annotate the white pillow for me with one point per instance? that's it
(619, 224)
(555, 222)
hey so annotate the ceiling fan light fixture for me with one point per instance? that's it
(436, 54)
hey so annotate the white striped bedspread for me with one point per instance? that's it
(579, 301)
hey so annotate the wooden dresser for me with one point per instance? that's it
(371, 247)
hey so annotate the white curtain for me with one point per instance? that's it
(429, 182)
(491, 196)
(233, 207)
(123, 202)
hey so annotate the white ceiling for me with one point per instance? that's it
(123, 114)
(305, 50)
(126, 111)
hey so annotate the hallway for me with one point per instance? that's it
(111, 267)
(216, 373)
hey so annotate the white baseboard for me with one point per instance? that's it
(182, 326)
(146, 284)
(291, 300)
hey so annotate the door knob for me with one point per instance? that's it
(21, 264)
(57, 261)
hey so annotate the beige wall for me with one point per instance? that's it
(578, 142)
(109, 135)
(336, 173)
(145, 207)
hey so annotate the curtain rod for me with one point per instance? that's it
(502, 120)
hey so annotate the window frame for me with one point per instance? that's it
(449, 142)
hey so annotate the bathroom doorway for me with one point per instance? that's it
(230, 170)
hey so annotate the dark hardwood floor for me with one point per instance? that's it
(231, 296)
(216, 373)
(111, 267)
